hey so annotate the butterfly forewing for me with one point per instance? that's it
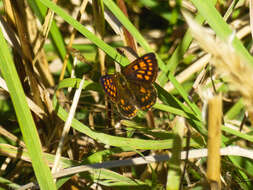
(143, 69)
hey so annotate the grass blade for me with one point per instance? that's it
(24, 117)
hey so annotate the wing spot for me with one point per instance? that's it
(149, 60)
(143, 90)
(122, 101)
(134, 112)
(146, 57)
(142, 99)
(141, 71)
(149, 73)
(128, 107)
(125, 108)
(146, 77)
(135, 67)
(139, 76)
(142, 64)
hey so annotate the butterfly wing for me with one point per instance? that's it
(126, 105)
(145, 95)
(109, 84)
(143, 69)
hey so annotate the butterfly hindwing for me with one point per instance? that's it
(125, 102)
(145, 95)
(143, 69)
(126, 107)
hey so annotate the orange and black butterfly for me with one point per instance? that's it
(133, 87)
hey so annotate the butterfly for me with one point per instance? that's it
(133, 87)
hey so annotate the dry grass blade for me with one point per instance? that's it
(198, 153)
(214, 141)
(67, 126)
(227, 61)
(72, 37)
(129, 40)
(98, 148)
(9, 135)
(187, 73)
(34, 107)
(251, 16)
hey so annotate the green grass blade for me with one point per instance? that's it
(127, 24)
(132, 143)
(171, 100)
(181, 90)
(234, 110)
(177, 55)
(79, 27)
(8, 183)
(221, 28)
(105, 47)
(105, 174)
(25, 120)
(174, 172)
(114, 140)
(131, 28)
(237, 133)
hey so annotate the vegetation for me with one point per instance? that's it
(60, 130)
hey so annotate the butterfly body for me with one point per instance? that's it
(133, 87)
